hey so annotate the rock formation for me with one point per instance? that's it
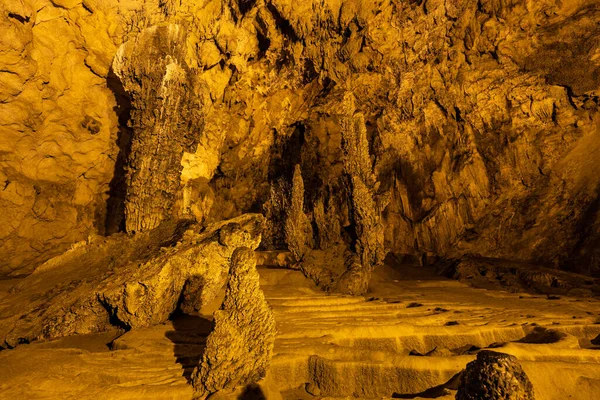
(480, 134)
(365, 212)
(461, 131)
(166, 117)
(518, 277)
(494, 376)
(298, 230)
(127, 282)
(239, 349)
(339, 260)
(57, 126)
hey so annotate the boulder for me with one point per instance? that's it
(494, 376)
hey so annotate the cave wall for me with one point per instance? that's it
(482, 117)
(57, 128)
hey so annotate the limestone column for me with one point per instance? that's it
(166, 118)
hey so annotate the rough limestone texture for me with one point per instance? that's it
(166, 118)
(123, 281)
(57, 128)
(239, 349)
(494, 376)
(481, 133)
(365, 215)
(297, 229)
(340, 260)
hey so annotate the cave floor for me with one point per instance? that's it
(408, 338)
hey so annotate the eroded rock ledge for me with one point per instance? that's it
(124, 281)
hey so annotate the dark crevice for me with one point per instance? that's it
(246, 5)
(115, 205)
(309, 72)
(235, 76)
(283, 24)
(87, 8)
(19, 18)
(286, 152)
(112, 315)
(114, 321)
(328, 85)
(263, 44)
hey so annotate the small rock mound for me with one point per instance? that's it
(239, 349)
(494, 376)
(541, 335)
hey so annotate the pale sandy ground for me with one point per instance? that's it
(352, 347)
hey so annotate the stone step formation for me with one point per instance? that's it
(408, 338)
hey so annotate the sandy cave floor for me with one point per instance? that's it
(407, 338)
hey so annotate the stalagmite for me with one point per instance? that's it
(343, 266)
(298, 231)
(239, 349)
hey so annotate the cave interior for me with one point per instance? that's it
(320, 199)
